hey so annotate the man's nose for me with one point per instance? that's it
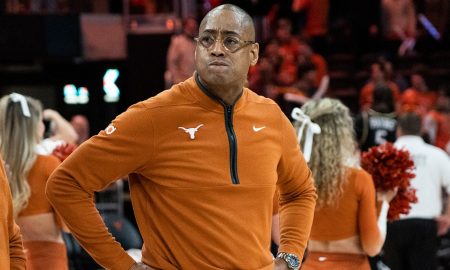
(218, 48)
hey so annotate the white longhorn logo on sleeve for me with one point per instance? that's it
(191, 131)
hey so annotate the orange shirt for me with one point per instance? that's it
(190, 213)
(321, 67)
(443, 128)
(11, 249)
(317, 20)
(413, 100)
(365, 96)
(354, 213)
(37, 179)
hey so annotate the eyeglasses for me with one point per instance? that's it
(230, 43)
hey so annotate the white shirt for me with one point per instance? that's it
(46, 146)
(432, 169)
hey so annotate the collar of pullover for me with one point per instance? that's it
(210, 101)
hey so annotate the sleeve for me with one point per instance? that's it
(16, 254)
(124, 147)
(297, 194)
(371, 239)
(51, 165)
(276, 200)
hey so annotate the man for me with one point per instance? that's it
(412, 242)
(11, 248)
(204, 159)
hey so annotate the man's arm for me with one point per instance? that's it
(124, 147)
(443, 221)
(16, 253)
(297, 195)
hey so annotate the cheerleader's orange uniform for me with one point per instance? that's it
(42, 254)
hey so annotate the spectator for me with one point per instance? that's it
(378, 77)
(437, 122)
(399, 25)
(316, 22)
(180, 56)
(418, 98)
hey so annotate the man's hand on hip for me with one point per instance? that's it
(280, 264)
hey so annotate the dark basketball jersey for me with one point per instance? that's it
(373, 128)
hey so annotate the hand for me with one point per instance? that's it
(280, 264)
(141, 266)
(49, 114)
(443, 224)
(295, 98)
(387, 196)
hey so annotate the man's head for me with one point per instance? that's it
(418, 81)
(81, 125)
(383, 101)
(377, 71)
(284, 29)
(226, 46)
(190, 27)
(409, 124)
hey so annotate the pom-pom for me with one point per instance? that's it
(391, 168)
(63, 151)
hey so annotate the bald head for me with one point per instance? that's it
(246, 22)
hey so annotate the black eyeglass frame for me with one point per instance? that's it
(243, 43)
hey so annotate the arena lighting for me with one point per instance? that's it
(72, 95)
(112, 92)
(429, 27)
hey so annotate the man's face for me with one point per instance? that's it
(417, 81)
(377, 74)
(191, 28)
(218, 66)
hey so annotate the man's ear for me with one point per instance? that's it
(254, 54)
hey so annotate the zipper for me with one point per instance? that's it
(228, 111)
(233, 143)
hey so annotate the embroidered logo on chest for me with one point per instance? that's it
(258, 129)
(191, 131)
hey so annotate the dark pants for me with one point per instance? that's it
(411, 244)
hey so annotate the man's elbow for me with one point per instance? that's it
(49, 190)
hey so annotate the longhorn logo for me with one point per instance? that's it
(191, 131)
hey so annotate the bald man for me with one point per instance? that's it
(204, 159)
